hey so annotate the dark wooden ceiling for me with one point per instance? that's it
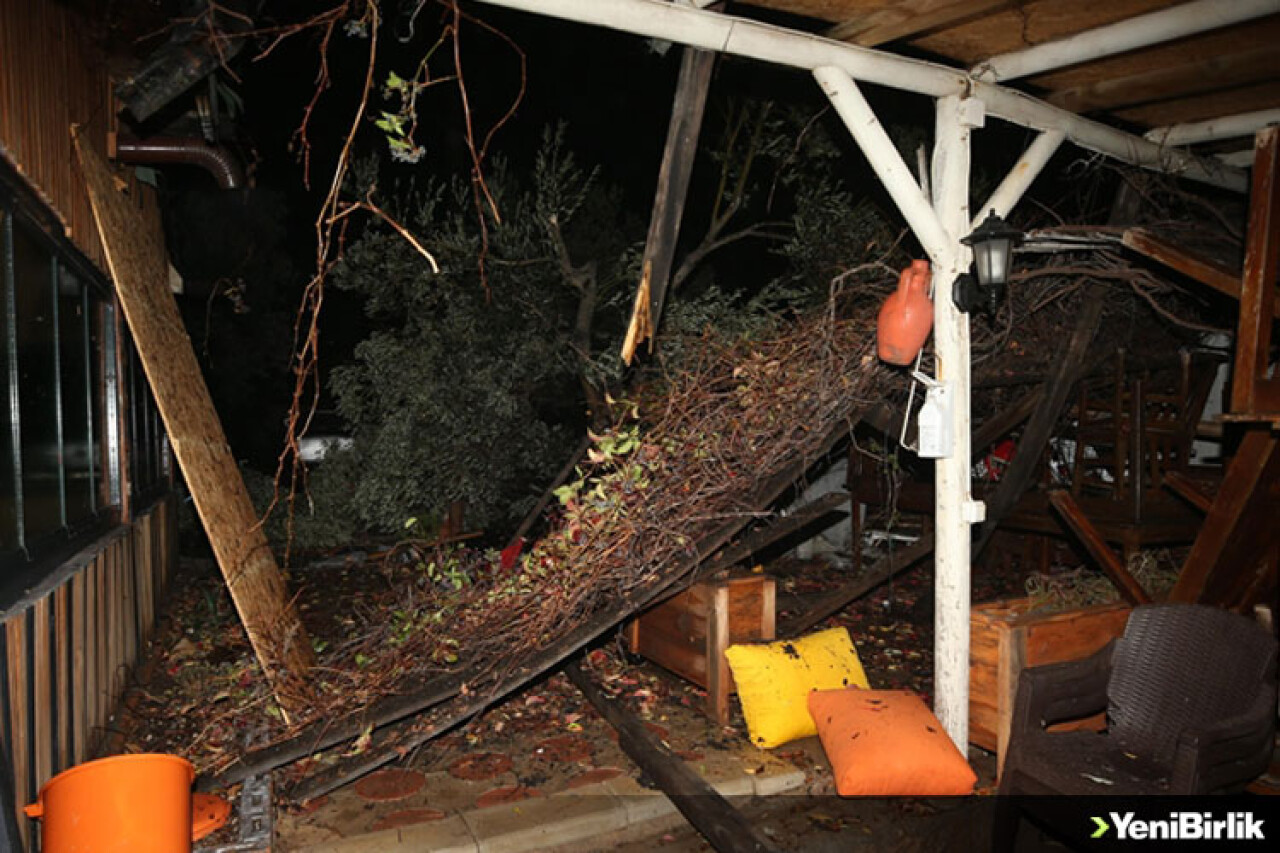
(1219, 73)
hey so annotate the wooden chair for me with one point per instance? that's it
(1131, 432)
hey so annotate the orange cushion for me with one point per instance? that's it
(887, 743)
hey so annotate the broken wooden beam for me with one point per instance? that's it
(838, 599)
(668, 205)
(1254, 391)
(257, 588)
(1240, 526)
(1204, 270)
(709, 813)
(1079, 524)
(1025, 464)
(1066, 371)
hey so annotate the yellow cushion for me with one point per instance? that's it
(888, 743)
(774, 681)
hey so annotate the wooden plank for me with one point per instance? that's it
(63, 682)
(718, 676)
(15, 649)
(668, 205)
(79, 669)
(1241, 523)
(838, 599)
(1189, 490)
(718, 821)
(1220, 102)
(1097, 547)
(1024, 24)
(1025, 464)
(1012, 659)
(42, 681)
(1121, 82)
(1204, 270)
(1251, 390)
(908, 18)
(257, 588)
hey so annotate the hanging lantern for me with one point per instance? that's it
(992, 244)
(906, 317)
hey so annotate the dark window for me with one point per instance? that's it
(77, 401)
(39, 429)
(60, 390)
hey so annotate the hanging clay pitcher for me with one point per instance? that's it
(906, 316)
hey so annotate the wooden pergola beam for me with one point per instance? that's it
(709, 813)
(1252, 392)
(1079, 524)
(668, 204)
(1204, 270)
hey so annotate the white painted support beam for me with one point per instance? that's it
(954, 508)
(1242, 159)
(1152, 28)
(885, 160)
(754, 40)
(1225, 127)
(1020, 177)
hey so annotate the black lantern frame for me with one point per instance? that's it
(992, 243)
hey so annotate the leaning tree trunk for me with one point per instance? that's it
(257, 587)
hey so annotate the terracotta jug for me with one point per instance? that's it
(906, 316)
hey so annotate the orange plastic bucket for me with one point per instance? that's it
(133, 803)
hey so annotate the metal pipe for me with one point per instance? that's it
(1225, 127)
(1020, 177)
(768, 43)
(1143, 31)
(885, 160)
(217, 161)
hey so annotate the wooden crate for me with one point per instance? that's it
(689, 632)
(1004, 638)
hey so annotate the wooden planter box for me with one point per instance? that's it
(1004, 638)
(689, 632)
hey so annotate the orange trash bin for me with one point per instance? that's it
(135, 803)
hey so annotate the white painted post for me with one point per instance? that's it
(954, 507)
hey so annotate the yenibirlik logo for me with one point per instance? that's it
(1181, 826)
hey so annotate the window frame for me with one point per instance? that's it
(111, 489)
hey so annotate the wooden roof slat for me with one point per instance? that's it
(1225, 102)
(1222, 70)
(910, 18)
(1029, 24)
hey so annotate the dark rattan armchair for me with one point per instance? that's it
(1190, 697)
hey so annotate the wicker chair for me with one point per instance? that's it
(1190, 697)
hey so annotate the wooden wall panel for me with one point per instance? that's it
(47, 83)
(17, 715)
(64, 657)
